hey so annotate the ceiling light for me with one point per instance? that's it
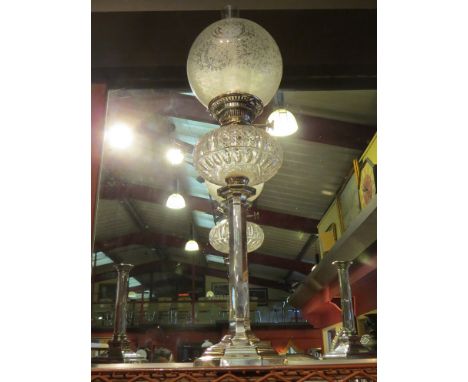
(210, 294)
(191, 246)
(175, 156)
(132, 295)
(119, 136)
(175, 201)
(327, 193)
(284, 123)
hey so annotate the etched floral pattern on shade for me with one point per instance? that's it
(234, 55)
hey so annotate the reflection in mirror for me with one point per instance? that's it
(147, 159)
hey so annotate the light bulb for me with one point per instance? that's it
(132, 295)
(191, 246)
(175, 156)
(175, 201)
(284, 123)
(119, 136)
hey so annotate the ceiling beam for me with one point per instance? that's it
(134, 215)
(301, 254)
(311, 128)
(328, 131)
(121, 191)
(199, 269)
(280, 262)
(158, 239)
(322, 49)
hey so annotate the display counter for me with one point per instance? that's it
(299, 369)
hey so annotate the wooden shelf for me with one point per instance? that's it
(357, 238)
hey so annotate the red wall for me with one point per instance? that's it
(321, 312)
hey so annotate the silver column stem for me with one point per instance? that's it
(238, 270)
(120, 311)
(119, 346)
(346, 296)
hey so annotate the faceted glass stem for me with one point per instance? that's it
(346, 296)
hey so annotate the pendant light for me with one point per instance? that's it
(175, 201)
(175, 156)
(119, 135)
(191, 245)
(284, 122)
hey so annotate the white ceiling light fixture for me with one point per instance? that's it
(192, 245)
(119, 135)
(175, 156)
(284, 123)
(175, 201)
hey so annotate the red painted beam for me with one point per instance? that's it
(148, 194)
(154, 238)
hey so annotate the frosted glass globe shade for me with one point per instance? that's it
(284, 123)
(234, 55)
(219, 236)
(175, 201)
(213, 191)
(237, 150)
(191, 246)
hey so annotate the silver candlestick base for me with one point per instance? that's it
(347, 345)
(248, 353)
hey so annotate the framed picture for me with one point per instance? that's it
(349, 202)
(367, 183)
(328, 238)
